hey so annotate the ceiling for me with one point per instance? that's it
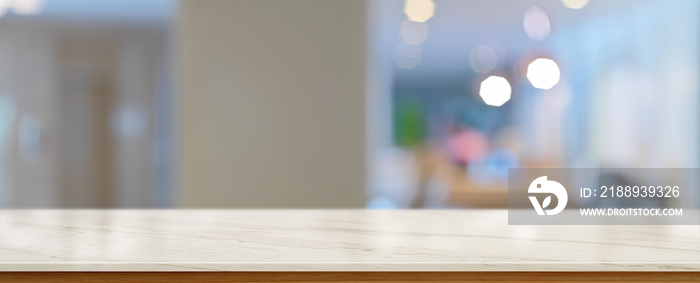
(460, 25)
(131, 12)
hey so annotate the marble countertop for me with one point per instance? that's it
(330, 240)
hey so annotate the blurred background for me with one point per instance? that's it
(383, 104)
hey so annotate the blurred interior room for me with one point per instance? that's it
(387, 104)
(87, 103)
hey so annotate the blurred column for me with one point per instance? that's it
(273, 103)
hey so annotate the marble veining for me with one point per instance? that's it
(330, 240)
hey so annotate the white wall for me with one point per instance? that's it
(273, 103)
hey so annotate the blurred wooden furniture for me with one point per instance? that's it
(464, 192)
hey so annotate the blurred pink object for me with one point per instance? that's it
(468, 145)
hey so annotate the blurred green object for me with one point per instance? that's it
(409, 122)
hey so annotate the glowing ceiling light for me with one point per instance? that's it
(575, 4)
(27, 7)
(483, 59)
(414, 32)
(407, 55)
(407, 62)
(543, 73)
(4, 6)
(408, 50)
(495, 90)
(419, 10)
(536, 23)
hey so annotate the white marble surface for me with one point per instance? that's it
(337, 240)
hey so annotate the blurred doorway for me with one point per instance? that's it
(88, 72)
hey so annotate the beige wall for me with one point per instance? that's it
(273, 104)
